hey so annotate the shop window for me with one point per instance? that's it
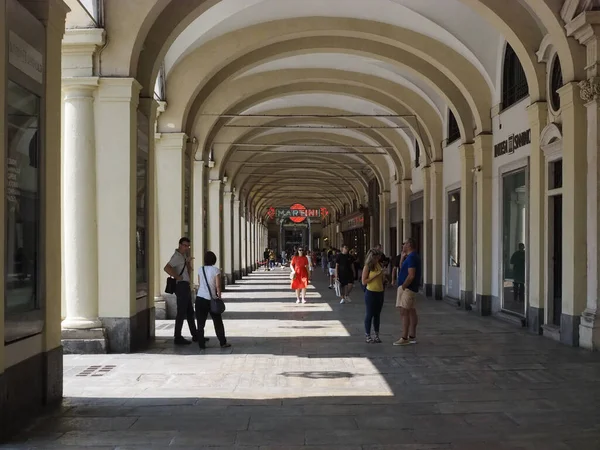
(514, 82)
(454, 229)
(141, 221)
(555, 180)
(22, 178)
(453, 130)
(514, 241)
(556, 82)
(417, 154)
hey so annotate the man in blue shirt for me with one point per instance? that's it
(409, 280)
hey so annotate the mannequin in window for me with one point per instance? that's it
(517, 260)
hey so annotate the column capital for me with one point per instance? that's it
(171, 141)
(228, 194)
(437, 167)
(119, 90)
(467, 152)
(83, 86)
(590, 89)
(569, 93)
(538, 113)
(79, 46)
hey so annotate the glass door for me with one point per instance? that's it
(514, 241)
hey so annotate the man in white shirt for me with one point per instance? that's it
(180, 268)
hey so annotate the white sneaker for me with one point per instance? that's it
(342, 301)
(297, 300)
(348, 300)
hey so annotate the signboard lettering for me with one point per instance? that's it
(514, 142)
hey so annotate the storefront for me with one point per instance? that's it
(453, 267)
(355, 232)
(31, 353)
(416, 220)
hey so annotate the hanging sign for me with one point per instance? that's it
(297, 213)
(514, 142)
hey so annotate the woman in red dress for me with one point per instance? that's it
(301, 275)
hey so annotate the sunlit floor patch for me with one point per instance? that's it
(229, 377)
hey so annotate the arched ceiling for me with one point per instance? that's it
(325, 85)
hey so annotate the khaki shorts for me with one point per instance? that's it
(405, 298)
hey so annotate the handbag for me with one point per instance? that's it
(172, 282)
(217, 306)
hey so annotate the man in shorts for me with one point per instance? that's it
(344, 272)
(409, 280)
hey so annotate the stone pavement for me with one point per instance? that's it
(301, 377)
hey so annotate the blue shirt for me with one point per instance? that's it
(412, 261)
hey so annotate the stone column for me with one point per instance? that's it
(384, 222)
(483, 159)
(170, 151)
(467, 164)
(228, 235)
(198, 212)
(79, 205)
(399, 219)
(538, 117)
(427, 250)
(214, 231)
(438, 258)
(404, 195)
(237, 240)
(244, 239)
(575, 195)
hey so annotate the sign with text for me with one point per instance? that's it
(514, 142)
(297, 213)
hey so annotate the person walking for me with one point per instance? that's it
(409, 280)
(180, 268)
(372, 278)
(344, 272)
(301, 275)
(209, 287)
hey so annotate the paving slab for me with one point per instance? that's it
(302, 377)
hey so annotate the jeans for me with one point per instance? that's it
(185, 309)
(374, 304)
(202, 312)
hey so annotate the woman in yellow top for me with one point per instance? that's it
(372, 278)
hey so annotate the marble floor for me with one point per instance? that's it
(302, 377)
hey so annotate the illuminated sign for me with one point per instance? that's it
(297, 213)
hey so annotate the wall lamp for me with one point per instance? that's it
(476, 169)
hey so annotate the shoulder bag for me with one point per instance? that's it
(217, 306)
(172, 282)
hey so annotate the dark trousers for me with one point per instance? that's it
(374, 304)
(202, 312)
(185, 308)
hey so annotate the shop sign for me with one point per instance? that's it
(514, 142)
(25, 57)
(297, 213)
(354, 222)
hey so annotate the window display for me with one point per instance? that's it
(514, 236)
(22, 177)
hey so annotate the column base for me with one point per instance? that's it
(160, 308)
(80, 323)
(35, 385)
(228, 278)
(78, 342)
(466, 300)
(484, 304)
(535, 320)
(428, 290)
(129, 334)
(237, 275)
(589, 330)
(438, 291)
(569, 330)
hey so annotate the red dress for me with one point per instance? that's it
(300, 264)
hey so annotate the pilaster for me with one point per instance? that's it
(538, 118)
(116, 140)
(467, 164)
(404, 195)
(574, 283)
(437, 225)
(586, 29)
(170, 151)
(78, 49)
(483, 159)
